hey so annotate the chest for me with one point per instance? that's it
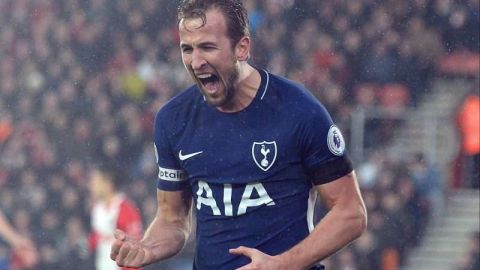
(236, 149)
(104, 218)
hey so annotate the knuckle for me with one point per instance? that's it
(119, 263)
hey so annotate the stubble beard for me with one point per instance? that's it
(225, 97)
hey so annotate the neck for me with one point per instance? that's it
(246, 88)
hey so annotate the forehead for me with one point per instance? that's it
(192, 28)
(97, 176)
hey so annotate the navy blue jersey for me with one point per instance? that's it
(250, 172)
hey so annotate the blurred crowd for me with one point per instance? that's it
(81, 81)
(401, 198)
(471, 260)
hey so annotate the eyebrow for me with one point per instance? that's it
(183, 46)
(202, 44)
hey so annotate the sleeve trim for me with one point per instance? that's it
(171, 186)
(332, 170)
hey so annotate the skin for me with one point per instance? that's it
(345, 221)
(207, 49)
(165, 236)
(101, 188)
(22, 246)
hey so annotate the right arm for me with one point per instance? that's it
(6, 231)
(24, 247)
(165, 236)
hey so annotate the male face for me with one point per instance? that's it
(99, 185)
(209, 57)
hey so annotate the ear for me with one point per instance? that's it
(242, 49)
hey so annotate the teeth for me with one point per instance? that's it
(204, 76)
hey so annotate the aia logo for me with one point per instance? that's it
(264, 154)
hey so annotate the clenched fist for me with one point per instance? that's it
(128, 252)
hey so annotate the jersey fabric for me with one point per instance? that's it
(251, 172)
(119, 214)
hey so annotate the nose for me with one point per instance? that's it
(197, 61)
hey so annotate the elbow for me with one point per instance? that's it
(355, 221)
(186, 234)
(361, 220)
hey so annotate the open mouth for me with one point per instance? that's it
(209, 81)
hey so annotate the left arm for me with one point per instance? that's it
(345, 221)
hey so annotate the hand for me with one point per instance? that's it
(25, 251)
(129, 252)
(260, 260)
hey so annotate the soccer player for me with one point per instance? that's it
(111, 211)
(250, 149)
(23, 247)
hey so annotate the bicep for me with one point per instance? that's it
(342, 192)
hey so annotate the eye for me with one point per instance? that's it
(186, 50)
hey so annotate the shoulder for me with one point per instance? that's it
(129, 218)
(179, 105)
(290, 90)
(128, 205)
(293, 96)
(128, 209)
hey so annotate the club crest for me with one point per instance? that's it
(264, 154)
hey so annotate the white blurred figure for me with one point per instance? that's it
(111, 210)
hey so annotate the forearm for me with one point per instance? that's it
(165, 239)
(338, 228)
(6, 231)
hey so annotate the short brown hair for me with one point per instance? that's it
(112, 173)
(235, 14)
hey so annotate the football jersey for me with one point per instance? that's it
(250, 172)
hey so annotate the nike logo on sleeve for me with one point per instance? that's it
(187, 156)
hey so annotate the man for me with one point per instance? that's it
(25, 253)
(468, 119)
(111, 211)
(248, 147)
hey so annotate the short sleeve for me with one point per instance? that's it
(323, 147)
(129, 219)
(171, 176)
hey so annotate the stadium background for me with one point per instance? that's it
(81, 81)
